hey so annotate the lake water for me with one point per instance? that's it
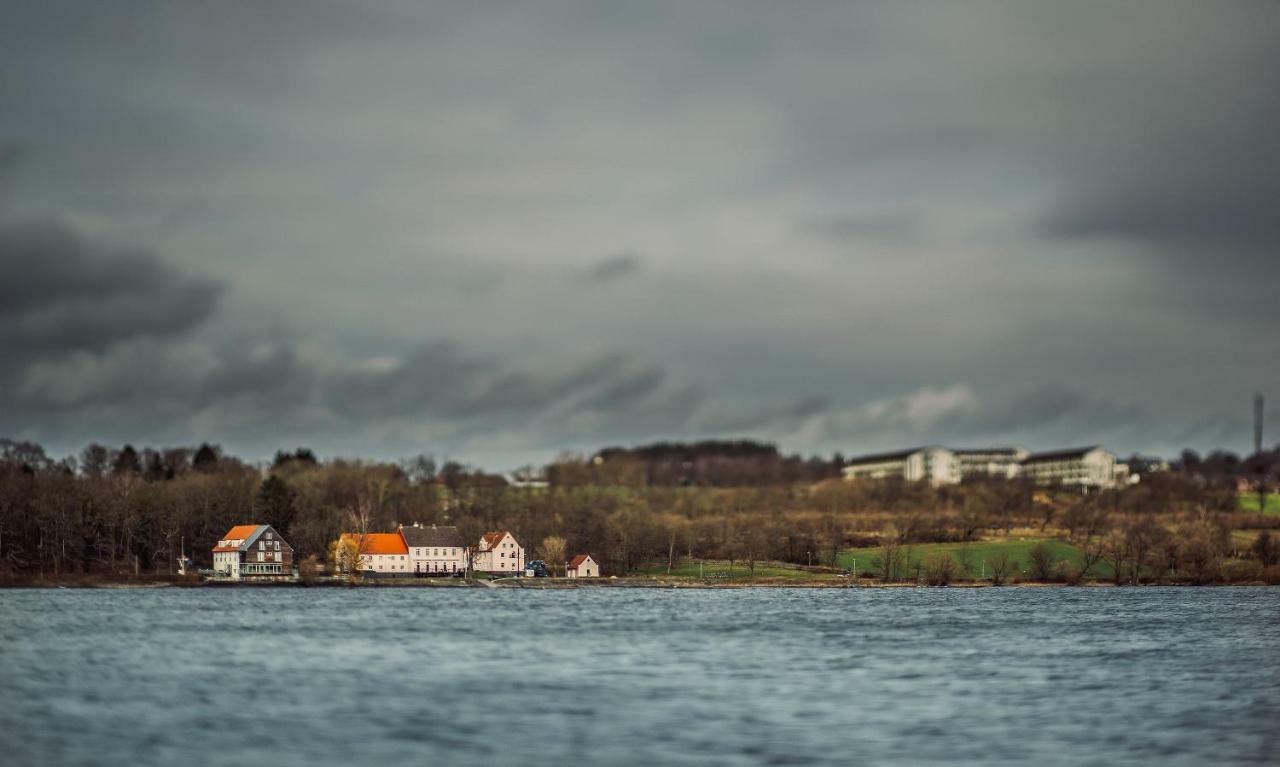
(629, 676)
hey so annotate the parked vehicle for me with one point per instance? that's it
(536, 569)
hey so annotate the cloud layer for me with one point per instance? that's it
(844, 228)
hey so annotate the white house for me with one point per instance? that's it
(937, 465)
(1084, 468)
(498, 552)
(435, 550)
(252, 550)
(382, 553)
(582, 566)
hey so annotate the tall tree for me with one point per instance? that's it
(127, 462)
(276, 504)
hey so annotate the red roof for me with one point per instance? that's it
(493, 539)
(380, 543)
(237, 533)
(578, 561)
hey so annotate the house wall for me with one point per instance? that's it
(588, 569)
(437, 559)
(506, 557)
(391, 564)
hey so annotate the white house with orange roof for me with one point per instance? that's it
(582, 566)
(252, 550)
(382, 553)
(498, 552)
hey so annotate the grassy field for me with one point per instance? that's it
(1019, 551)
(738, 571)
(1249, 502)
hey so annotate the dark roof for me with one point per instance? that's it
(1058, 455)
(432, 536)
(876, 457)
(981, 450)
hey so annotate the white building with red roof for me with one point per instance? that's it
(252, 550)
(582, 566)
(382, 553)
(498, 552)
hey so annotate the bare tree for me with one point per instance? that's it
(1001, 566)
(552, 551)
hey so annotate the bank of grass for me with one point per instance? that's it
(737, 571)
(982, 554)
(1248, 502)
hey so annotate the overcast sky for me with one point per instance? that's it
(498, 232)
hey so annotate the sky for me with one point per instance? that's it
(500, 232)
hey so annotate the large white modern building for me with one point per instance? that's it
(1085, 468)
(936, 465)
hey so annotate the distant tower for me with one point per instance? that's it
(1257, 423)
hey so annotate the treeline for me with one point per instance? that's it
(710, 463)
(124, 510)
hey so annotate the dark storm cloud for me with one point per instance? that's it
(859, 223)
(613, 267)
(60, 294)
(1044, 409)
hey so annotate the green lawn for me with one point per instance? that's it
(1019, 552)
(739, 571)
(1249, 502)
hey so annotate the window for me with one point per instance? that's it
(268, 536)
(262, 545)
(277, 545)
(261, 556)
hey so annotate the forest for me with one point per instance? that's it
(124, 511)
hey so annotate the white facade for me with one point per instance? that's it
(582, 566)
(381, 553)
(435, 550)
(1085, 468)
(937, 465)
(1004, 462)
(499, 552)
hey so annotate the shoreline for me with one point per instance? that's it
(549, 584)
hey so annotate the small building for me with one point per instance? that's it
(498, 552)
(435, 550)
(381, 553)
(248, 551)
(582, 566)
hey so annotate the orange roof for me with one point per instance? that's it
(379, 543)
(237, 533)
(577, 561)
(493, 539)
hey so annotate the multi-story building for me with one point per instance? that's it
(499, 552)
(435, 550)
(1084, 468)
(1005, 462)
(247, 551)
(937, 465)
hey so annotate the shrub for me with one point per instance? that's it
(1043, 562)
(939, 569)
